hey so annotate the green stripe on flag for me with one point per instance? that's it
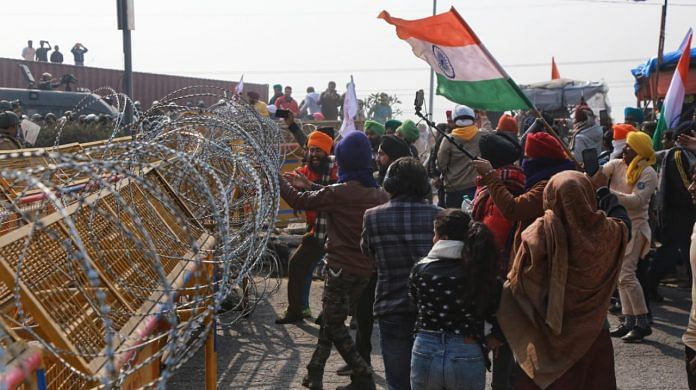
(492, 95)
(659, 130)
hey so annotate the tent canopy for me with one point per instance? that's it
(558, 94)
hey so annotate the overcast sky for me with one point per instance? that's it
(302, 43)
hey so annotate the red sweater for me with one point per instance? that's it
(315, 178)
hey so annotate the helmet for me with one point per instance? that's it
(90, 118)
(46, 76)
(36, 117)
(463, 115)
(8, 119)
(5, 105)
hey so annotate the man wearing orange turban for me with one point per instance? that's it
(322, 170)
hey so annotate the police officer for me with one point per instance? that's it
(8, 131)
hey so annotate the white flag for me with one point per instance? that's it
(30, 131)
(350, 109)
(240, 86)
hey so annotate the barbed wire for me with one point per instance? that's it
(118, 254)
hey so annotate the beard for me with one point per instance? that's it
(319, 166)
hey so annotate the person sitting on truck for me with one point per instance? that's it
(258, 105)
(47, 82)
(286, 102)
(8, 131)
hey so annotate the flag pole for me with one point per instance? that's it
(432, 77)
(512, 83)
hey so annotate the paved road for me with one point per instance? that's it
(258, 354)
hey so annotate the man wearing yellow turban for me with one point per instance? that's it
(633, 181)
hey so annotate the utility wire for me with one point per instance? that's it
(372, 70)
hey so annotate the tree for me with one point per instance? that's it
(391, 100)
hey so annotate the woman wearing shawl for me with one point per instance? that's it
(633, 181)
(554, 303)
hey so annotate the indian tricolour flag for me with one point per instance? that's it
(466, 72)
(672, 105)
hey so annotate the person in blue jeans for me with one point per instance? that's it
(396, 235)
(456, 291)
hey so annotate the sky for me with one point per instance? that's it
(309, 43)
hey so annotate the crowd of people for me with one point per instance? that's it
(30, 53)
(508, 262)
(327, 105)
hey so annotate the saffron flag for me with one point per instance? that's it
(350, 109)
(555, 74)
(466, 71)
(672, 105)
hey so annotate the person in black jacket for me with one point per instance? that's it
(56, 56)
(456, 291)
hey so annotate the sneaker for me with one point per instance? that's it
(637, 334)
(307, 313)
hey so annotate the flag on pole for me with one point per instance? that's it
(240, 87)
(350, 109)
(466, 72)
(672, 105)
(555, 74)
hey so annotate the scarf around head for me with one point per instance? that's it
(538, 169)
(554, 303)
(354, 158)
(641, 143)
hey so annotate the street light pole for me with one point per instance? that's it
(126, 23)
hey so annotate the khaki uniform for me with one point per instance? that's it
(636, 200)
(8, 142)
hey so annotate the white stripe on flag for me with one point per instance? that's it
(460, 63)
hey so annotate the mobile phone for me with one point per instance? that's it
(448, 114)
(282, 113)
(420, 98)
(591, 161)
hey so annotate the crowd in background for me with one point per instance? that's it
(30, 53)
(510, 261)
(327, 105)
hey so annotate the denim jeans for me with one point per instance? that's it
(396, 341)
(446, 361)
